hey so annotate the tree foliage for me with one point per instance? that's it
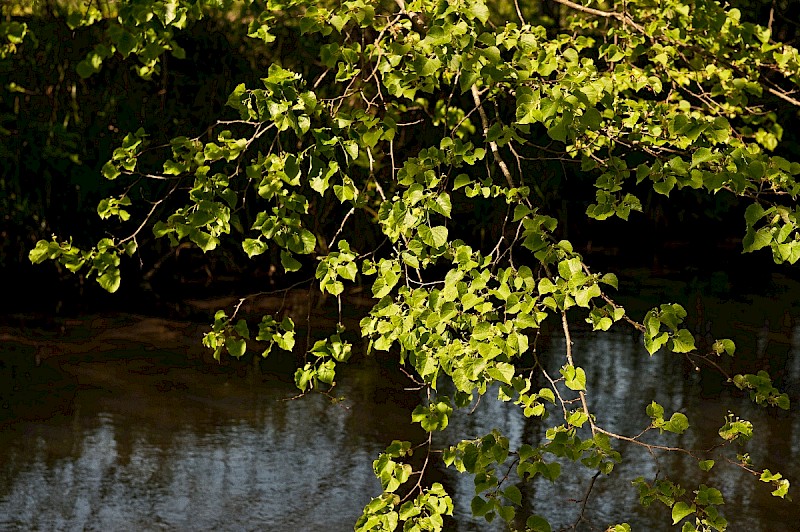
(362, 152)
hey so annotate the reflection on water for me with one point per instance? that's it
(151, 441)
(187, 450)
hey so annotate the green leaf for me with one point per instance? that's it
(655, 411)
(611, 280)
(338, 21)
(591, 119)
(480, 507)
(755, 240)
(303, 378)
(574, 378)
(546, 286)
(326, 372)
(753, 214)
(254, 247)
(309, 241)
(126, 43)
(585, 295)
(372, 137)
(654, 343)
(577, 418)
(558, 131)
(427, 66)
(85, 69)
(235, 346)
(702, 156)
(502, 371)
(289, 263)
(782, 489)
(514, 495)
(681, 510)
(204, 241)
(433, 236)
(442, 205)
(110, 280)
(478, 10)
(706, 465)
(725, 345)
(665, 187)
(683, 341)
(537, 523)
(678, 423)
(461, 180)
(506, 513)
(43, 251)
(110, 171)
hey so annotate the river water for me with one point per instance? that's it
(123, 426)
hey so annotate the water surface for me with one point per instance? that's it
(121, 426)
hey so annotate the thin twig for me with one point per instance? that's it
(690, 452)
(585, 500)
(568, 339)
(476, 97)
(622, 17)
(519, 12)
(149, 214)
(421, 472)
(341, 227)
(552, 385)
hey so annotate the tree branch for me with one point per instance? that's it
(622, 17)
(476, 97)
(581, 394)
(625, 19)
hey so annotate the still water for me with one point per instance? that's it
(122, 427)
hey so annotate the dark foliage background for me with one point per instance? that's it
(57, 130)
